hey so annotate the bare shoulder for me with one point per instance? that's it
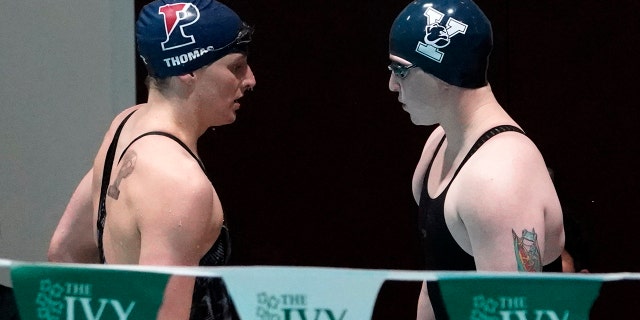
(98, 161)
(177, 211)
(432, 142)
(168, 173)
(506, 163)
(121, 116)
(504, 189)
(109, 134)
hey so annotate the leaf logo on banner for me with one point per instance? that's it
(293, 307)
(483, 308)
(501, 308)
(267, 306)
(49, 300)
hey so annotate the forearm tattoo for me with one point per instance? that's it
(128, 165)
(527, 251)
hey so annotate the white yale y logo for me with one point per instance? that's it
(438, 36)
(178, 16)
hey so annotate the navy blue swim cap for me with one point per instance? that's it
(450, 39)
(178, 37)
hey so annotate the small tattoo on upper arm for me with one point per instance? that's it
(527, 251)
(128, 165)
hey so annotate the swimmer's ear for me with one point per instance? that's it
(187, 78)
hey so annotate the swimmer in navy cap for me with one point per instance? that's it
(486, 200)
(147, 199)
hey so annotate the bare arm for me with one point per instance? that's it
(73, 239)
(180, 221)
(425, 310)
(509, 208)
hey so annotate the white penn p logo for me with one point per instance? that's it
(176, 17)
(438, 36)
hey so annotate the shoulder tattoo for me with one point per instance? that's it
(128, 164)
(527, 251)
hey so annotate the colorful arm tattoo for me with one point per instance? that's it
(125, 171)
(527, 251)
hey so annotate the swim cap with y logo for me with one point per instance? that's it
(178, 37)
(450, 39)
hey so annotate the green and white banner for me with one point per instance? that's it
(289, 293)
(516, 297)
(49, 291)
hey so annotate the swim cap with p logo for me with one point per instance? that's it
(178, 37)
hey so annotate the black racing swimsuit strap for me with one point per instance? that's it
(168, 135)
(433, 287)
(426, 176)
(106, 176)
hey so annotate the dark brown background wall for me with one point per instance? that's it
(317, 168)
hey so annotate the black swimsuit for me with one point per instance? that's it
(210, 299)
(439, 249)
